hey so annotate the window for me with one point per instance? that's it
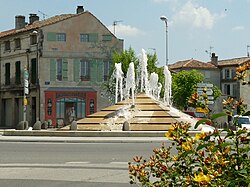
(106, 37)
(33, 39)
(230, 89)
(17, 43)
(18, 72)
(59, 69)
(33, 71)
(7, 74)
(92, 37)
(7, 45)
(61, 37)
(52, 36)
(85, 69)
(106, 70)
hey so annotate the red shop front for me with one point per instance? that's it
(63, 105)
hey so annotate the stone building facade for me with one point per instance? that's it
(67, 57)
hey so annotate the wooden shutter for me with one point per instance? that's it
(65, 70)
(93, 37)
(100, 71)
(51, 36)
(52, 70)
(76, 70)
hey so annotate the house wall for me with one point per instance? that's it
(72, 51)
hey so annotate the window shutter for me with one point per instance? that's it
(52, 70)
(100, 72)
(223, 73)
(93, 37)
(106, 37)
(51, 36)
(93, 70)
(65, 70)
(76, 70)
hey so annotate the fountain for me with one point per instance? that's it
(147, 111)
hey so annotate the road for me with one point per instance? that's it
(48, 164)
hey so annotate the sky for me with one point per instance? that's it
(196, 28)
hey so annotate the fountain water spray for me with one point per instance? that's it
(144, 71)
(130, 82)
(153, 85)
(119, 81)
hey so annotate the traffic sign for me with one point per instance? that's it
(26, 74)
(208, 85)
(26, 83)
(25, 102)
(26, 90)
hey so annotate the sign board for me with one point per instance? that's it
(25, 102)
(208, 85)
(26, 75)
(209, 93)
(26, 83)
(26, 90)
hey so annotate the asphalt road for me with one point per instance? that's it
(39, 164)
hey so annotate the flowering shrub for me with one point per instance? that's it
(242, 72)
(219, 158)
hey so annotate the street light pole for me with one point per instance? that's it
(165, 19)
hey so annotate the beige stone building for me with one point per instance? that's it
(67, 58)
(220, 73)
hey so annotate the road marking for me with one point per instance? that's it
(77, 162)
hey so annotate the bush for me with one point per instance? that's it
(219, 158)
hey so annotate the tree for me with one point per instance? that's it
(184, 85)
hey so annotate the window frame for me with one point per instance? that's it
(7, 45)
(84, 70)
(61, 37)
(17, 42)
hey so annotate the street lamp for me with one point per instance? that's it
(165, 19)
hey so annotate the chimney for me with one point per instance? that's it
(33, 18)
(20, 22)
(79, 9)
(214, 59)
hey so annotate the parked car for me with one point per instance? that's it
(243, 120)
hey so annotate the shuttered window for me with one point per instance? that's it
(18, 72)
(52, 70)
(7, 74)
(91, 37)
(65, 70)
(76, 70)
(52, 36)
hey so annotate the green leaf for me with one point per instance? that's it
(202, 121)
(202, 146)
(215, 116)
(247, 113)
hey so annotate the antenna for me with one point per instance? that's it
(210, 51)
(115, 23)
(44, 15)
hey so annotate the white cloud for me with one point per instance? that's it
(238, 28)
(122, 30)
(196, 16)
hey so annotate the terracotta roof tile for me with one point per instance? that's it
(234, 61)
(191, 64)
(38, 24)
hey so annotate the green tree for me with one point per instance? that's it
(184, 85)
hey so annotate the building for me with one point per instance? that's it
(220, 73)
(210, 71)
(229, 85)
(65, 60)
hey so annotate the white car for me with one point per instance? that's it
(243, 120)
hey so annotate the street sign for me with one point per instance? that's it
(26, 90)
(208, 85)
(25, 102)
(26, 83)
(201, 92)
(26, 74)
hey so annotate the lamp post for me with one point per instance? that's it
(165, 19)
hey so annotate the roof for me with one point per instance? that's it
(234, 61)
(42, 23)
(186, 64)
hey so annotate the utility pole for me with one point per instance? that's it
(247, 50)
(115, 23)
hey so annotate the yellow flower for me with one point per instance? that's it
(187, 146)
(169, 134)
(200, 136)
(202, 178)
